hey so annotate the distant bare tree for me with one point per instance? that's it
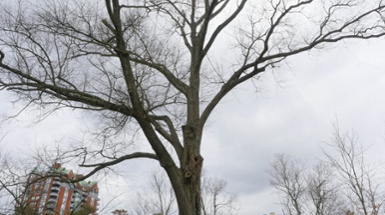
(323, 192)
(160, 199)
(288, 177)
(215, 199)
(13, 175)
(304, 191)
(148, 66)
(343, 183)
(361, 180)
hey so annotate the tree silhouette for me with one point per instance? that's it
(149, 66)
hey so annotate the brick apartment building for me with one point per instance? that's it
(49, 192)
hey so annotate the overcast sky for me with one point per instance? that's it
(291, 111)
(294, 113)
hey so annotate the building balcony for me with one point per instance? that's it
(55, 189)
(56, 184)
(53, 195)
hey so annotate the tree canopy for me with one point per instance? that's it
(160, 67)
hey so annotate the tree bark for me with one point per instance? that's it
(157, 86)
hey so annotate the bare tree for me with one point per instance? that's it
(13, 176)
(215, 199)
(361, 180)
(343, 183)
(147, 65)
(160, 199)
(288, 177)
(306, 191)
(323, 193)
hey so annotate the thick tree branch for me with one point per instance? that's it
(33, 84)
(170, 135)
(177, 83)
(100, 166)
(223, 26)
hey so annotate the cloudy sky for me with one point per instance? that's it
(291, 111)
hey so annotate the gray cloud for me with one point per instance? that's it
(293, 116)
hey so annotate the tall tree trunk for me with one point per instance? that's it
(191, 184)
(186, 184)
(188, 190)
